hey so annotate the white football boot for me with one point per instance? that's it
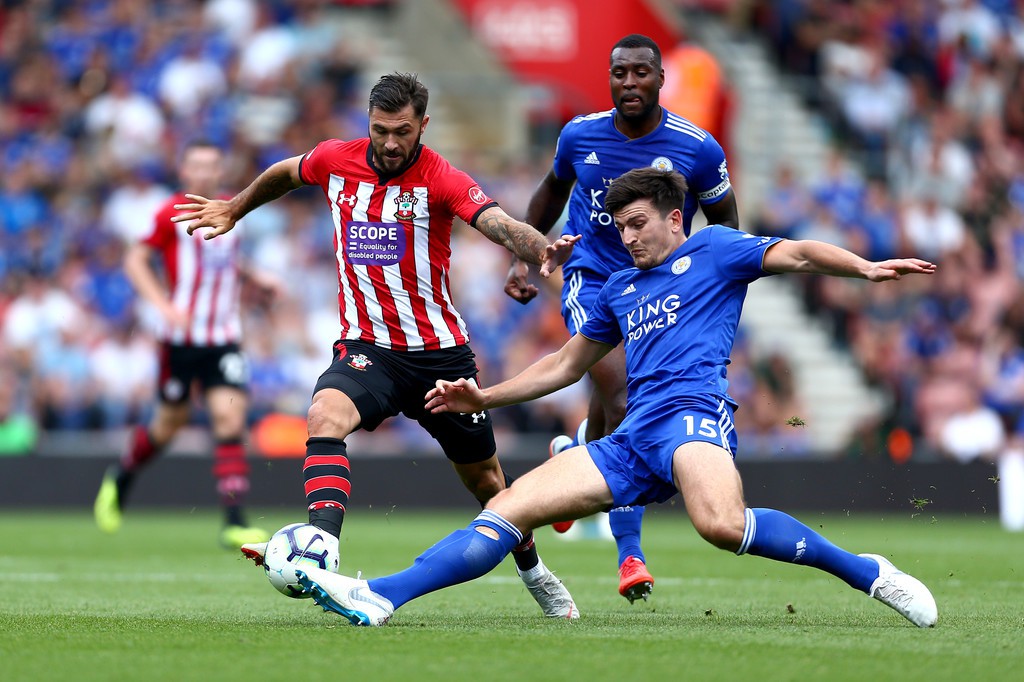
(554, 599)
(904, 593)
(255, 551)
(348, 597)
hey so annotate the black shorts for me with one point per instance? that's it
(384, 383)
(207, 366)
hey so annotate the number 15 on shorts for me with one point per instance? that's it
(708, 427)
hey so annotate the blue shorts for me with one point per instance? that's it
(636, 459)
(579, 291)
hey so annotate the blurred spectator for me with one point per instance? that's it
(788, 206)
(18, 431)
(128, 125)
(124, 369)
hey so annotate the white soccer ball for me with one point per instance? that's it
(294, 546)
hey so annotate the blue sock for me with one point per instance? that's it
(625, 525)
(775, 535)
(462, 556)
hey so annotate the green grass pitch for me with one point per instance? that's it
(160, 601)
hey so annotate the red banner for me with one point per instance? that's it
(563, 44)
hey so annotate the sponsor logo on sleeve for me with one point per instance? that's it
(477, 195)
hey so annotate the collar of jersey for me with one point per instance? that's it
(622, 135)
(384, 177)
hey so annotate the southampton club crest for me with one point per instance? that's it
(359, 361)
(406, 203)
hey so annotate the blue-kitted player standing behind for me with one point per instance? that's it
(676, 313)
(593, 150)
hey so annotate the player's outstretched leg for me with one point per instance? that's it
(774, 535)
(635, 581)
(462, 556)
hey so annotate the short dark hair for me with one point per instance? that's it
(200, 143)
(665, 189)
(635, 40)
(395, 91)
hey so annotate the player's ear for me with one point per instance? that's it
(661, 79)
(423, 123)
(675, 220)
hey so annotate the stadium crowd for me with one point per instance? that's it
(97, 98)
(927, 100)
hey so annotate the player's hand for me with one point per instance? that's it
(462, 396)
(516, 284)
(176, 318)
(895, 268)
(557, 253)
(203, 212)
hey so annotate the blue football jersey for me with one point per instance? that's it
(593, 152)
(679, 319)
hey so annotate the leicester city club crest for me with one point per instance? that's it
(662, 163)
(406, 203)
(359, 361)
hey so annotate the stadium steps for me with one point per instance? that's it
(771, 125)
(476, 109)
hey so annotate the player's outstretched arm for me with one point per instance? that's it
(524, 240)
(559, 369)
(221, 216)
(545, 208)
(814, 257)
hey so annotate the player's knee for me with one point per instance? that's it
(485, 486)
(326, 421)
(721, 530)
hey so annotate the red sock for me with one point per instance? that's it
(231, 470)
(139, 451)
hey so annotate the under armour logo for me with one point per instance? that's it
(349, 199)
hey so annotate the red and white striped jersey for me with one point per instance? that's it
(203, 278)
(392, 239)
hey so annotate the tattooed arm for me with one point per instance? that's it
(524, 240)
(221, 216)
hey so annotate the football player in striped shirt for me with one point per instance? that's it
(392, 201)
(199, 337)
(592, 150)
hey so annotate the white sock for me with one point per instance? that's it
(535, 573)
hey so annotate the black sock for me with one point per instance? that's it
(326, 472)
(328, 519)
(233, 516)
(123, 480)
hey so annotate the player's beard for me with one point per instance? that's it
(403, 162)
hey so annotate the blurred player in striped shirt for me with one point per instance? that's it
(199, 334)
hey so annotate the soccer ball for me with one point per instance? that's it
(294, 546)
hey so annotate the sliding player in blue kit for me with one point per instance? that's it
(593, 150)
(677, 313)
